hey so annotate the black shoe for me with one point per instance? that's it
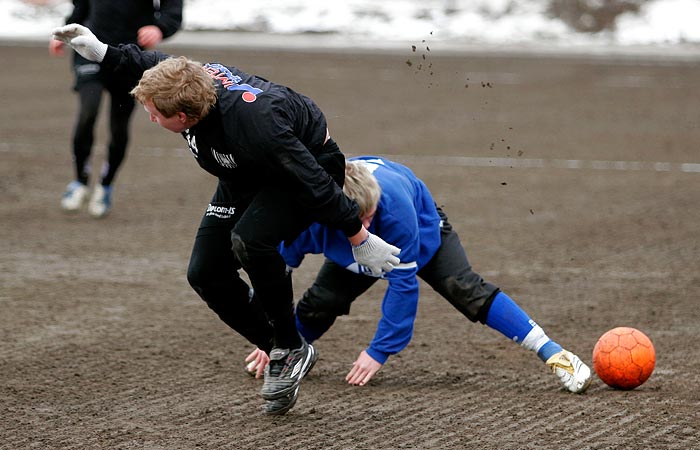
(286, 369)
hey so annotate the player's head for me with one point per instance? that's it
(361, 186)
(176, 90)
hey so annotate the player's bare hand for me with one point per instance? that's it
(363, 369)
(149, 36)
(256, 362)
(56, 47)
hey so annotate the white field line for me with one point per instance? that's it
(540, 163)
(618, 275)
(452, 161)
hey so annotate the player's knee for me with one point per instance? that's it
(317, 309)
(314, 318)
(196, 278)
(239, 248)
(470, 295)
(200, 275)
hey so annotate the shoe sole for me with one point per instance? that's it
(98, 215)
(71, 208)
(288, 390)
(278, 411)
(98, 211)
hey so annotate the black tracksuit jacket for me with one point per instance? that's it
(257, 134)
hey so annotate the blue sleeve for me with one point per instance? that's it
(399, 308)
(308, 242)
(398, 225)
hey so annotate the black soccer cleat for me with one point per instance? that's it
(286, 369)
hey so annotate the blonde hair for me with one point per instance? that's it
(177, 85)
(361, 186)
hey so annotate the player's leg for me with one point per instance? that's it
(330, 296)
(272, 216)
(121, 108)
(89, 90)
(450, 274)
(90, 97)
(213, 273)
(255, 242)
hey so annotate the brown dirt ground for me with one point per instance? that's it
(104, 345)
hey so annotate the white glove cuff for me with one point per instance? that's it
(100, 52)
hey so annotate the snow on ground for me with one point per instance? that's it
(658, 23)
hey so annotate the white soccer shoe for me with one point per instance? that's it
(100, 202)
(572, 372)
(74, 197)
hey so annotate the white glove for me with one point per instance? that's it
(376, 255)
(82, 40)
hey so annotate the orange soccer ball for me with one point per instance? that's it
(624, 358)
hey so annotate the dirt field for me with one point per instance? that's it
(105, 346)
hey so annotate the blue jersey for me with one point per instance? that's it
(407, 218)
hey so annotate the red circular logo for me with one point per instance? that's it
(249, 97)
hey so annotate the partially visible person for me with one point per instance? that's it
(397, 206)
(141, 22)
(278, 172)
